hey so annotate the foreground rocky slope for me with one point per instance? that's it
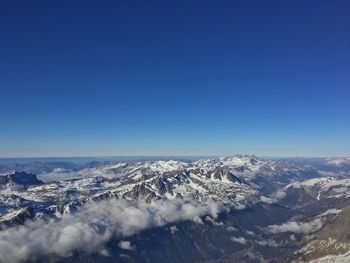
(331, 243)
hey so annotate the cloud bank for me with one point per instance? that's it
(296, 227)
(91, 227)
(60, 174)
(274, 197)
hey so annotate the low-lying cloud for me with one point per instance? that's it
(268, 242)
(274, 197)
(296, 227)
(126, 245)
(240, 240)
(91, 227)
(60, 174)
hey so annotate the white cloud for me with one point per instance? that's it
(125, 245)
(59, 174)
(231, 229)
(173, 229)
(296, 227)
(92, 226)
(240, 240)
(251, 233)
(274, 198)
(268, 242)
(209, 219)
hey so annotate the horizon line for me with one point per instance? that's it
(168, 156)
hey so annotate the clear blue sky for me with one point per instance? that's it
(87, 78)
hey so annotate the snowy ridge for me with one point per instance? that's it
(64, 189)
(234, 181)
(329, 187)
(292, 200)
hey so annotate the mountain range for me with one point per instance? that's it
(230, 209)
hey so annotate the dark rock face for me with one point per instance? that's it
(4, 180)
(21, 178)
(25, 178)
(222, 173)
(146, 176)
(217, 174)
(141, 192)
(240, 169)
(231, 177)
(163, 186)
(20, 218)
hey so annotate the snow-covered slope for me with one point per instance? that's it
(234, 181)
(64, 190)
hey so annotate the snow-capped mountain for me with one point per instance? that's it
(234, 181)
(252, 202)
(143, 181)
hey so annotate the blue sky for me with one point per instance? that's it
(174, 78)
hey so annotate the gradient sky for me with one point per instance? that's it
(92, 78)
